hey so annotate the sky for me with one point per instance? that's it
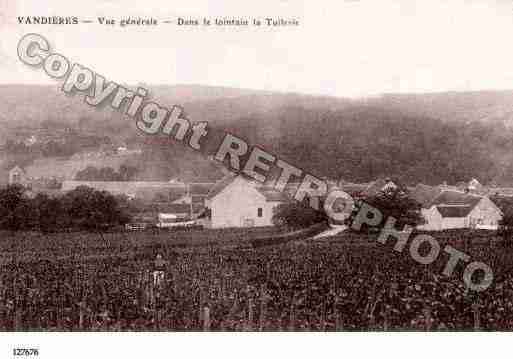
(348, 48)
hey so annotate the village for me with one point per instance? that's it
(235, 201)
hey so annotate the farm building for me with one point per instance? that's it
(447, 209)
(17, 176)
(237, 202)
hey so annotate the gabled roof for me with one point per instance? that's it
(273, 195)
(270, 193)
(457, 211)
(456, 198)
(221, 185)
(17, 168)
(453, 204)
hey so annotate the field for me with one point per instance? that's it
(348, 282)
(67, 168)
(33, 246)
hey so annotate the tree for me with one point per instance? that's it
(297, 215)
(83, 208)
(15, 208)
(505, 229)
(505, 203)
(50, 213)
(395, 202)
(90, 209)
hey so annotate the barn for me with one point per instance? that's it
(238, 202)
(448, 209)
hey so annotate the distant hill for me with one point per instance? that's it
(419, 138)
(29, 105)
(25, 105)
(486, 106)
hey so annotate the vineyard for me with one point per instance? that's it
(34, 246)
(348, 282)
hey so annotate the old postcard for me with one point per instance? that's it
(276, 166)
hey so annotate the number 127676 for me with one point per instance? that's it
(25, 352)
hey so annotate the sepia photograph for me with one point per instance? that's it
(197, 171)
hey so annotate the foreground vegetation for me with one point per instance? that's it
(83, 208)
(25, 246)
(349, 282)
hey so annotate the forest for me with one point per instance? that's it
(435, 138)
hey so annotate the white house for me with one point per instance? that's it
(237, 202)
(446, 209)
(17, 176)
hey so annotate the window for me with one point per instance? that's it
(260, 212)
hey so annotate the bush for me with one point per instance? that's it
(82, 208)
(394, 203)
(505, 230)
(297, 215)
(15, 208)
(87, 208)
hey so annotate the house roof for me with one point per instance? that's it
(270, 193)
(220, 185)
(456, 198)
(273, 195)
(455, 211)
(151, 209)
(17, 168)
(174, 208)
(429, 196)
(453, 204)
